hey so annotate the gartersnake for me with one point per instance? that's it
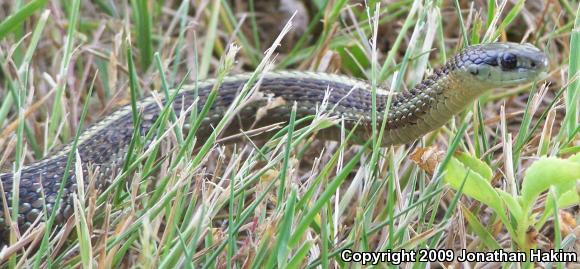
(411, 114)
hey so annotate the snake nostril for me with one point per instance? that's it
(533, 64)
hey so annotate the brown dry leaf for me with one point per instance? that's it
(263, 111)
(531, 236)
(567, 223)
(427, 158)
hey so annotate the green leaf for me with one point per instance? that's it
(477, 175)
(476, 165)
(575, 158)
(512, 204)
(354, 59)
(569, 198)
(546, 172)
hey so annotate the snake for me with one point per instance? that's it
(409, 114)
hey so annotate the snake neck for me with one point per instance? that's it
(430, 104)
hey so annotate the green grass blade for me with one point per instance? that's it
(142, 18)
(56, 116)
(13, 21)
(573, 92)
(211, 35)
(44, 247)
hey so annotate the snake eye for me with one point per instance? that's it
(509, 61)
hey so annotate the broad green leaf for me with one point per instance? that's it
(569, 198)
(512, 204)
(476, 165)
(546, 172)
(354, 59)
(476, 186)
(575, 158)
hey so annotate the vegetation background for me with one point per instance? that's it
(292, 201)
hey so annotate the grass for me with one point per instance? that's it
(290, 200)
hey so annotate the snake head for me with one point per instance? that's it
(502, 64)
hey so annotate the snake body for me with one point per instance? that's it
(411, 114)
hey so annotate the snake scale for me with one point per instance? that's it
(467, 75)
